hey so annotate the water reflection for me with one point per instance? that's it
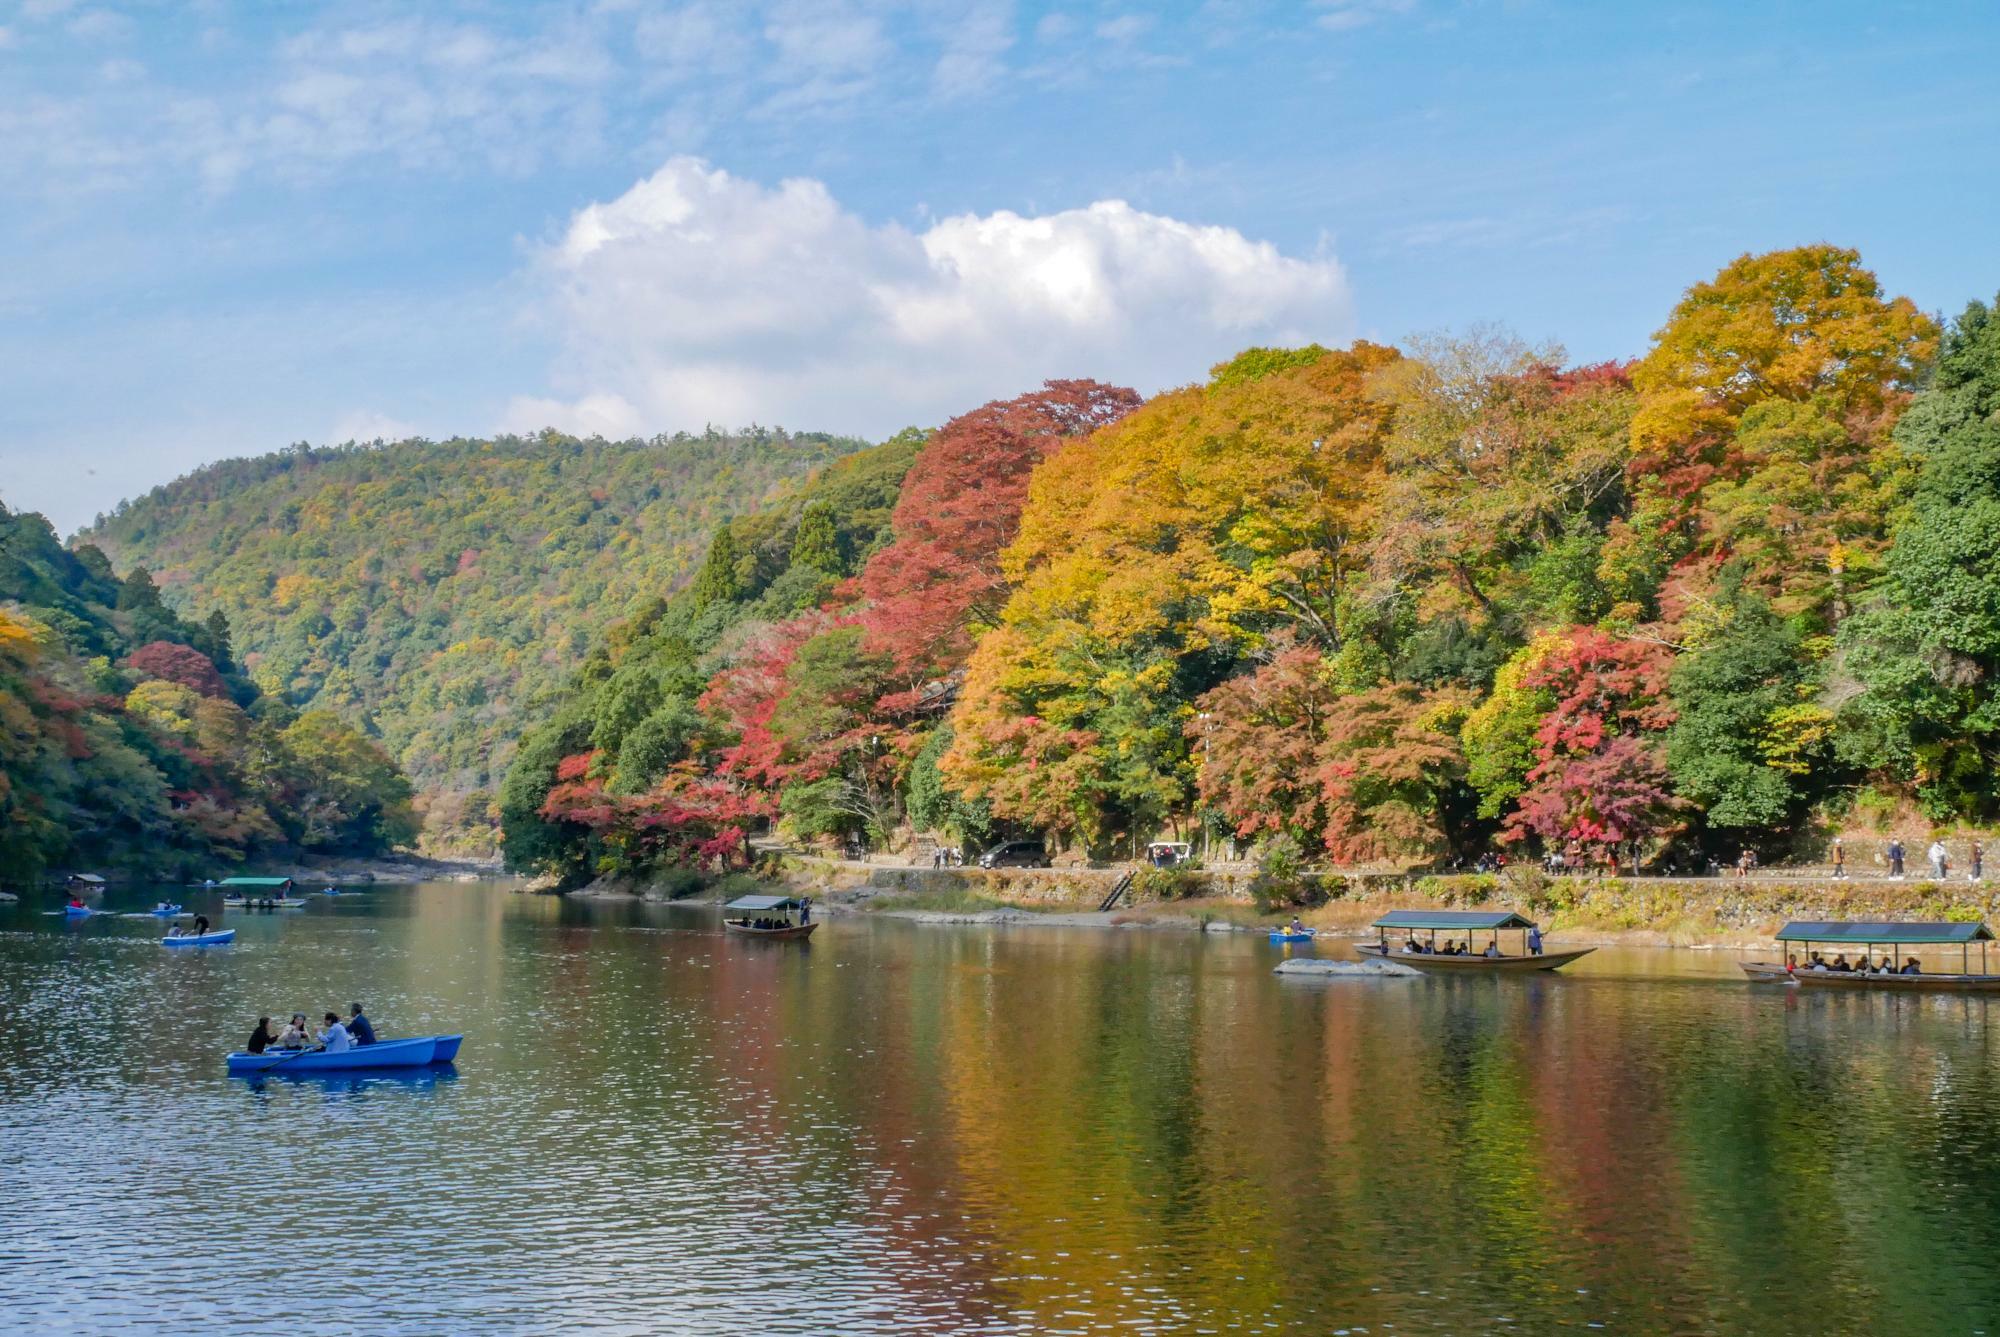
(903, 1128)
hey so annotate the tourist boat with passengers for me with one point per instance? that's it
(260, 893)
(769, 917)
(1490, 959)
(418, 1051)
(1879, 938)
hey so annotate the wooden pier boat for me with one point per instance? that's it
(1879, 938)
(1468, 922)
(769, 917)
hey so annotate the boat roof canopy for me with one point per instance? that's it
(255, 882)
(762, 903)
(1453, 919)
(1864, 931)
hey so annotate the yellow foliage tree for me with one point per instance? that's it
(1152, 555)
(1799, 324)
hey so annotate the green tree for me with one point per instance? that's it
(1927, 653)
(1735, 747)
(816, 544)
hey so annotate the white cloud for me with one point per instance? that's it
(700, 297)
(972, 60)
(1346, 15)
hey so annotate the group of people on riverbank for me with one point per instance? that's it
(336, 1038)
(1938, 856)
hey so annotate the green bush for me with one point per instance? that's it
(1459, 889)
(1169, 884)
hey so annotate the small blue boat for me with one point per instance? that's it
(219, 938)
(80, 911)
(165, 911)
(447, 1047)
(1279, 935)
(417, 1052)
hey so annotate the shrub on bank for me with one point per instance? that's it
(1169, 884)
(1459, 888)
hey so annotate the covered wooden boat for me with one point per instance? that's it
(219, 938)
(769, 917)
(1471, 923)
(417, 1052)
(259, 893)
(1879, 938)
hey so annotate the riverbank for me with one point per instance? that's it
(1700, 912)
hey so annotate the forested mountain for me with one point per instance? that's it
(1366, 604)
(439, 592)
(128, 738)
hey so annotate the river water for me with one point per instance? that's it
(915, 1128)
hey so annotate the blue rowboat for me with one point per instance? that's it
(447, 1047)
(412, 1053)
(219, 938)
(164, 911)
(79, 911)
(1280, 936)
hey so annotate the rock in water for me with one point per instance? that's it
(1342, 969)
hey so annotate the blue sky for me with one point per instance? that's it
(231, 227)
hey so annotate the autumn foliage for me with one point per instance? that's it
(1395, 605)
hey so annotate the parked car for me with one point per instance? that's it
(1016, 854)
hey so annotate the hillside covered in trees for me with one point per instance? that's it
(130, 739)
(1362, 604)
(440, 593)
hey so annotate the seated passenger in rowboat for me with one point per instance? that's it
(1910, 967)
(335, 1039)
(261, 1038)
(296, 1035)
(359, 1026)
(1296, 926)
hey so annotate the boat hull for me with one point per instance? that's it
(1292, 937)
(1474, 965)
(418, 1052)
(1767, 972)
(447, 1048)
(789, 931)
(243, 903)
(221, 938)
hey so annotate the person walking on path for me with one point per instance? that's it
(1839, 857)
(1976, 864)
(1895, 853)
(1937, 858)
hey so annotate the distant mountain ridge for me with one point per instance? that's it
(440, 591)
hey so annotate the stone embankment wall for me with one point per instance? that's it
(1694, 907)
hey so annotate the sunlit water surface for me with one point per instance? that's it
(911, 1128)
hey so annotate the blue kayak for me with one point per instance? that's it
(165, 911)
(80, 911)
(413, 1053)
(216, 939)
(1279, 936)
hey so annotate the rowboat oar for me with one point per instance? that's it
(293, 1055)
